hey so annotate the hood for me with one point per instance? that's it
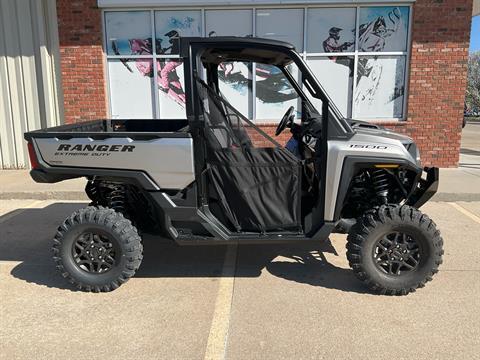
(363, 127)
(381, 135)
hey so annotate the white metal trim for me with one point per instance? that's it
(244, 3)
(156, 95)
(105, 66)
(360, 53)
(252, 101)
(406, 87)
(353, 109)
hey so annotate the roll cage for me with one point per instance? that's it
(202, 57)
(214, 50)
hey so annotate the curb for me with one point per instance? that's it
(452, 197)
(80, 195)
(44, 195)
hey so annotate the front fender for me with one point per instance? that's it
(426, 187)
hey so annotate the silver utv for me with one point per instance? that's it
(217, 178)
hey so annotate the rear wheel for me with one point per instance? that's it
(97, 249)
(394, 249)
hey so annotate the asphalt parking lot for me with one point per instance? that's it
(250, 302)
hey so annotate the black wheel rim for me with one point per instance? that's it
(94, 252)
(397, 253)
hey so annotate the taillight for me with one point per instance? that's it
(33, 156)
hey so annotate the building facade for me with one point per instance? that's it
(30, 87)
(401, 64)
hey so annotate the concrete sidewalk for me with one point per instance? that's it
(461, 184)
(17, 184)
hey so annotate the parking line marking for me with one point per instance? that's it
(217, 337)
(466, 212)
(19, 211)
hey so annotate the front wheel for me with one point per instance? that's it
(394, 249)
(97, 249)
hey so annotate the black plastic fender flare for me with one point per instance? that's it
(351, 166)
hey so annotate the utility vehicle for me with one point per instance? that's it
(217, 178)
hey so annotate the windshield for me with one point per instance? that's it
(264, 83)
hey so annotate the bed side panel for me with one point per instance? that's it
(168, 161)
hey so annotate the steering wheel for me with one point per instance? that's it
(287, 119)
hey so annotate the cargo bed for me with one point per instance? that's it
(156, 153)
(116, 128)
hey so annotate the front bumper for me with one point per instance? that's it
(426, 187)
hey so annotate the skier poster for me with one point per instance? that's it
(381, 80)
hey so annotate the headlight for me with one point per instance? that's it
(413, 151)
(417, 155)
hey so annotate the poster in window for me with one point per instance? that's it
(235, 83)
(274, 93)
(171, 89)
(336, 76)
(383, 28)
(228, 23)
(169, 25)
(131, 88)
(128, 33)
(235, 78)
(331, 30)
(281, 24)
(380, 87)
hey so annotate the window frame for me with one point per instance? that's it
(304, 54)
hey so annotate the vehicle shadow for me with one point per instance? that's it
(25, 237)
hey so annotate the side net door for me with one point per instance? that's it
(254, 183)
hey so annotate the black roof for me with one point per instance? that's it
(232, 40)
(234, 48)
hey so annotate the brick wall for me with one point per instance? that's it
(440, 39)
(438, 65)
(81, 54)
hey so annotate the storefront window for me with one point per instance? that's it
(331, 30)
(274, 94)
(380, 87)
(281, 24)
(228, 23)
(123, 27)
(169, 25)
(131, 88)
(336, 74)
(171, 85)
(383, 28)
(235, 83)
(361, 65)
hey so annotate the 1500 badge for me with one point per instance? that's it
(91, 150)
(366, 146)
